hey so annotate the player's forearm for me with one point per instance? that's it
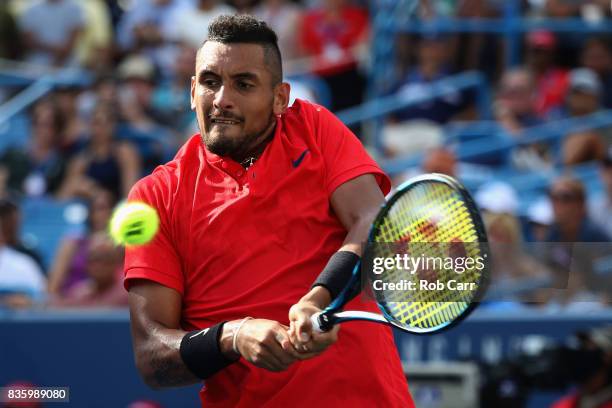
(159, 360)
(164, 366)
(358, 233)
(319, 296)
(338, 271)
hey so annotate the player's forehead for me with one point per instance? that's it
(230, 59)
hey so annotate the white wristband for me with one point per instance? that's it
(234, 345)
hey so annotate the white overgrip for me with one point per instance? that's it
(314, 320)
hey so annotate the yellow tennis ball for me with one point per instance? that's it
(134, 223)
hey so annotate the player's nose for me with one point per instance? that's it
(223, 99)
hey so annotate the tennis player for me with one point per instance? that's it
(261, 213)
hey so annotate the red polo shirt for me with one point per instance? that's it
(238, 243)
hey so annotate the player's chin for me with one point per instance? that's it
(221, 134)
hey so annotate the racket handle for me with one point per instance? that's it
(321, 322)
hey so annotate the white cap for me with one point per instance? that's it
(541, 211)
(584, 79)
(497, 197)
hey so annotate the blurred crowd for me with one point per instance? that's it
(91, 139)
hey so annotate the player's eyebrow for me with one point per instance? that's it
(250, 76)
(207, 72)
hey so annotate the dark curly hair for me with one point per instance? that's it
(229, 29)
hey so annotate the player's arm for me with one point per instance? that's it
(155, 315)
(356, 204)
(167, 356)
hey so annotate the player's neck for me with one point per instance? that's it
(257, 147)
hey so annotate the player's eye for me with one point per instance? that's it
(210, 83)
(244, 85)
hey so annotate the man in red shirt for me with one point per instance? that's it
(331, 34)
(251, 211)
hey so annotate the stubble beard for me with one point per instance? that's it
(234, 147)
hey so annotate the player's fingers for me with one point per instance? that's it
(284, 358)
(292, 333)
(321, 341)
(303, 329)
(284, 340)
(264, 358)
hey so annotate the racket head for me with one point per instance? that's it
(428, 216)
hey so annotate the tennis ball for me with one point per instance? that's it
(134, 223)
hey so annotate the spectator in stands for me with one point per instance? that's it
(104, 284)
(583, 99)
(551, 81)
(104, 91)
(10, 222)
(95, 45)
(37, 168)
(480, 51)
(440, 160)
(50, 31)
(540, 218)
(433, 9)
(105, 162)
(586, 9)
(10, 40)
(189, 26)
(600, 208)
(331, 34)
(571, 222)
(282, 16)
(172, 97)
(69, 264)
(432, 65)
(570, 259)
(436, 160)
(515, 102)
(515, 111)
(511, 265)
(137, 77)
(242, 6)
(597, 56)
(144, 29)
(22, 282)
(140, 120)
(569, 42)
(66, 99)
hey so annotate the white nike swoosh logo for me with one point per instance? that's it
(201, 332)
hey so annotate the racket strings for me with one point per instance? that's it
(427, 218)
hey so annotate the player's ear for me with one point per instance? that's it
(193, 86)
(281, 97)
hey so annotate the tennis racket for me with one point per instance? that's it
(432, 218)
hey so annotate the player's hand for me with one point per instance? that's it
(266, 344)
(302, 336)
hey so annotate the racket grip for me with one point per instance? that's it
(321, 322)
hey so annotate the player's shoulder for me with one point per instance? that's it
(165, 180)
(309, 113)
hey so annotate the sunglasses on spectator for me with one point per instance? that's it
(565, 196)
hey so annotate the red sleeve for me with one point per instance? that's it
(344, 156)
(158, 260)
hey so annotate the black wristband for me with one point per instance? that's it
(337, 273)
(201, 353)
